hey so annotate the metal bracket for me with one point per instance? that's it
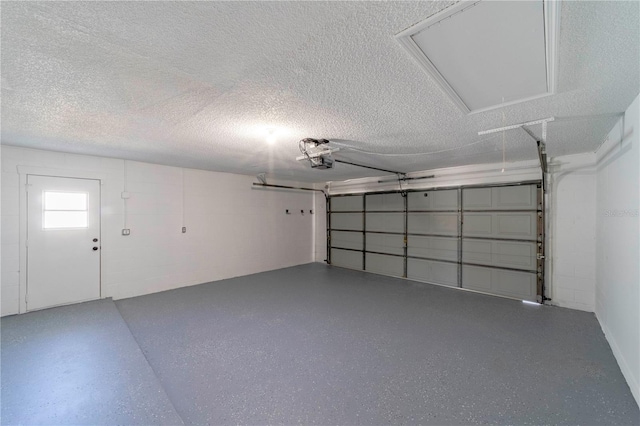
(544, 166)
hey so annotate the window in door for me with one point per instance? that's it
(65, 210)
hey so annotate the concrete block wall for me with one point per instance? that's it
(233, 228)
(572, 238)
(618, 235)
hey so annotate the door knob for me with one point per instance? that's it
(95, 248)
(95, 240)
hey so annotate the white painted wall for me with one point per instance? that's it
(571, 255)
(232, 228)
(617, 299)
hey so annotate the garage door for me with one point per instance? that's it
(500, 240)
(346, 226)
(433, 236)
(384, 234)
(485, 239)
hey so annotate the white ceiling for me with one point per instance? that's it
(198, 84)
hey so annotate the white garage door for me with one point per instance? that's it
(433, 236)
(346, 227)
(484, 239)
(500, 240)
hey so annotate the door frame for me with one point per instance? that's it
(24, 172)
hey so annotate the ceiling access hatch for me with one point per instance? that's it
(489, 54)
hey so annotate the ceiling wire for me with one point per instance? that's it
(347, 147)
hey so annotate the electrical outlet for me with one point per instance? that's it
(126, 231)
(184, 229)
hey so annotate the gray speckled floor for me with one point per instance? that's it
(320, 345)
(78, 364)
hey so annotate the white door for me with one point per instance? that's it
(63, 241)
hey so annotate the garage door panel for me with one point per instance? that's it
(476, 198)
(350, 240)
(385, 202)
(385, 222)
(347, 203)
(433, 272)
(433, 200)
(478, 251)
(384, 243)
(507, 254)
(346, 259)
(516, 225)
(516, 197)
(346, 221)
(445, 273)
(433, 223)
(386, 265)
(475, 278)
(433, 247)
(517, 255)
(519, 197)
(478, 225)
(519, 285)
(511, 225)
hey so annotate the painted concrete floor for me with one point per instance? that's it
(78, 364)
(310, 345)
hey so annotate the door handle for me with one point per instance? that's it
(95, 240)
(95, 248)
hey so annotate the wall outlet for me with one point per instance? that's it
(126, 231)
(184, 229)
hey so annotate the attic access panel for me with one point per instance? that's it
(488, 54)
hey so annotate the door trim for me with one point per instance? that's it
(24, 172)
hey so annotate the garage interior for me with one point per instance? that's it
(320, 212)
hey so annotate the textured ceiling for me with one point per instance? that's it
(199, 84)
